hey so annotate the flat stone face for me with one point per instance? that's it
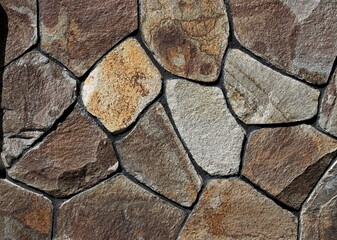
(74, 156)
(153, 154)
(188, 38)
(118, 209)
(259, 95)
(78, 33)
(287, 162)
(121, 86)
(23, 214)
(298, 36)
(206, 126)
(231, 209)
(35, 93)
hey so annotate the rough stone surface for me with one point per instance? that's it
(231, 209)
(259, 95)
(78, 33)
(35, 93)
(287, 162)
(319, 214)
(206, 126)
(118, 209)
(23, 214)
(188, 38)
(120, 87)
(76, 155)
(298, 36)
(153, 154)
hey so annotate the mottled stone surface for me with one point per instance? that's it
(23, 214)
(298, 36)
(154, 155)
(35, 93)
(231, 209)
(118, 209)
(259, 95)
(120, 87)
(76, 155)
(188, 38)
(78, 33)
(287, 162)
(206, 126)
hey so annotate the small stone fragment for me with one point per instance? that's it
(121, 86)
(206, 126)
(259, 95)
(118, 209)
(297, 36)
(35, 93)
(153, 154)
(75, 156)
(188, 38)
(23, 214)
(231, 209)
(287, 162)
(78, 33)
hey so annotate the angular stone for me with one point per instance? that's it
(188, 38)
(297, 36)
(153, 154)
(35, 93)
(231, 209)
(259, 95)
(118, 209)
(121, 86)
(75, 156)
(78, 33)
(287, 162)
(23, 214)
(206, 126)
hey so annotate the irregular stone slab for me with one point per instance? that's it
(79, 33)
(118, 209)
(121, 86)
(75, 156)
(288, 161)
(297, 36)
(35, 93)
(259, 95)
(231, 209)
(23, 214)
(188, 38)
(153, 154)
(207, 127)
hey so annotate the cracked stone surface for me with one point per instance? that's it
(154, 155)
(231, 209)
(121, 209)
(206, 126)
(31, 107)
(188, 38)
(287, 162)
(79, 33)
(259, 95)
(121, 86)
(74, 156)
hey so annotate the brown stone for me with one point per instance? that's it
(118, 209)
(78, 33)
(121, 86)
(287, 162)
(23, 214)
(75, 156)
(35, 93)
(231, 209)
(298, 36)
(188, 38)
